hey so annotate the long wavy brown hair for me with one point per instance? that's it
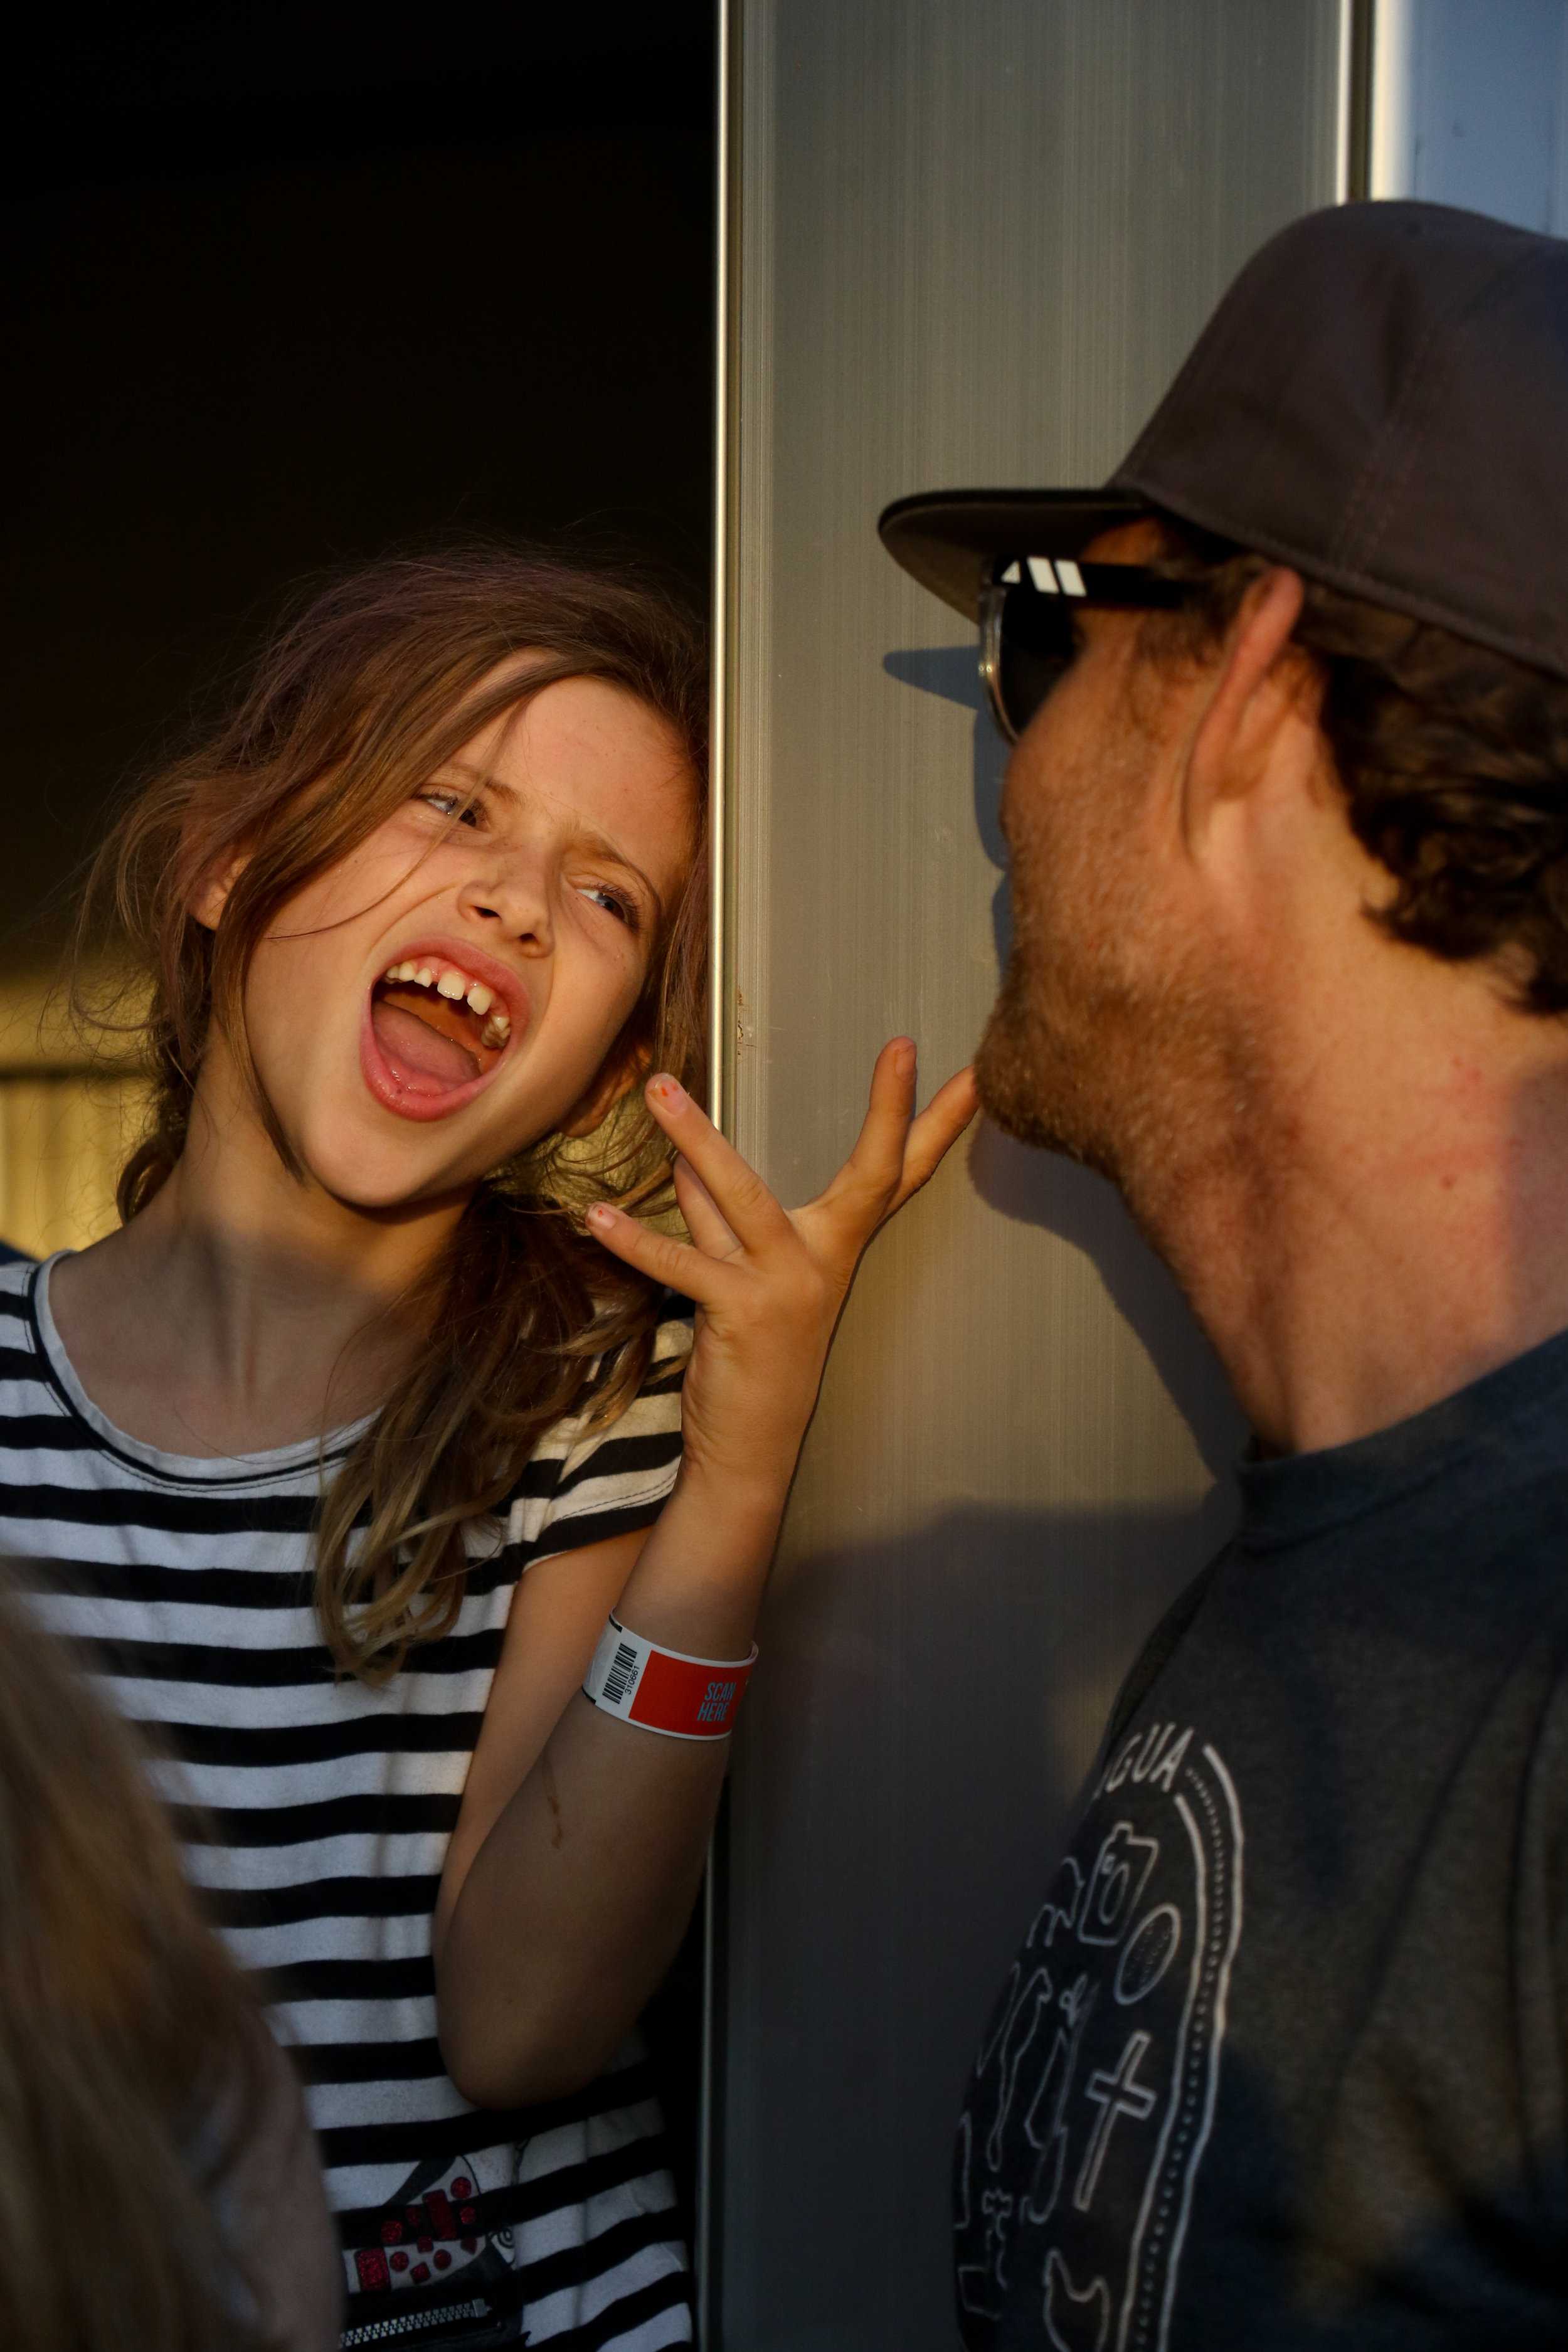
(356, 702)
(125, 2031)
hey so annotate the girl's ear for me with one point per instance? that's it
(627, 1068)
(210, 896)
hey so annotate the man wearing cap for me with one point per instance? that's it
(1283, 2061)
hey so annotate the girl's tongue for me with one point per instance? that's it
(414, 1044)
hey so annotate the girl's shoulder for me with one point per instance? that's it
(674, 1332)
(672, 1339)
(654, 1405)
(591, 1479)
(17, 1275)
(16, 1271)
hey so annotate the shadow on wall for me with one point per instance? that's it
(977, 1656)
(1038, 1189)
(952, 673)
(932, 1889)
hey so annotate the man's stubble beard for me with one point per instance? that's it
(1133, 1073)
(1027, 1078)
(1118, 1037)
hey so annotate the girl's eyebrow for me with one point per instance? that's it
(590, 836)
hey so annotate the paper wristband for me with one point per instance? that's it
(663, 1690)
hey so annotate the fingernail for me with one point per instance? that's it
(601, 1213)
(904, 1059)
(670, 1091)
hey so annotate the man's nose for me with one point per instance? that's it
(516, 895)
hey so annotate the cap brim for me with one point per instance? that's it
(944, 539)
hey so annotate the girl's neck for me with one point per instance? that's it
(243, 1309)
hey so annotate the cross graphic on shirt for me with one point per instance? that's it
(1119, 2094)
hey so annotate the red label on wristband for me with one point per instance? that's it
(686, 1695)
(660, 1690)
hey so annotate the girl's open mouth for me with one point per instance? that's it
(433, 1035)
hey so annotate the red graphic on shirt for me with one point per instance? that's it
(431, 2231)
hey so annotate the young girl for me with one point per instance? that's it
(348, 1442)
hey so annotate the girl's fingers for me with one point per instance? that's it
(937, 1130)
(737, 1192)
(729, 1211)
(876, 1164)
(896, 1153)
(673, 1264)
(701, 1210)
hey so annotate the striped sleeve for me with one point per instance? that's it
(589, 1485)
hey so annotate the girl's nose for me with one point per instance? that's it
(518, 898)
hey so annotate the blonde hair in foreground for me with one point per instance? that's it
(125, 2032)
(355, 704)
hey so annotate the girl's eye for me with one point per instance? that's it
(450, 805)
(614, 902)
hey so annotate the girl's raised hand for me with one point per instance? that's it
(770, 1283)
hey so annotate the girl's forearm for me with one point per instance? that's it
(574, 1904)
(576, 1899)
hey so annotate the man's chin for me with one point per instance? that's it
(1014, 1114)
(1028, 1095)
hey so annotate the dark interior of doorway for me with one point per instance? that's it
(285, 287)
(292, 285)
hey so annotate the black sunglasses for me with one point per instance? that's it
(1026, 607)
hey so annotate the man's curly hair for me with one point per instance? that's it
(1454, 761)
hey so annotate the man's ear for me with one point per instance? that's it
(625, 1068)
(1252, 696)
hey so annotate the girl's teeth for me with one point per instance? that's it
(455, 986)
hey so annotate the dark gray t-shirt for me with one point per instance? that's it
(1281, 2063)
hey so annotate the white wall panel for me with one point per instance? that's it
(971, 243)
(1471, 106)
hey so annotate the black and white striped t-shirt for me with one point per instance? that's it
(189, 1582)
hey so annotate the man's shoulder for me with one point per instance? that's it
(1159, 1647)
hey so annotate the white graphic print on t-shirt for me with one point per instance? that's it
(1093, 2096)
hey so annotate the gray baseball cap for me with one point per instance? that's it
(1380, 401)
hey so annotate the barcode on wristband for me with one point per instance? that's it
(623, 1671)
